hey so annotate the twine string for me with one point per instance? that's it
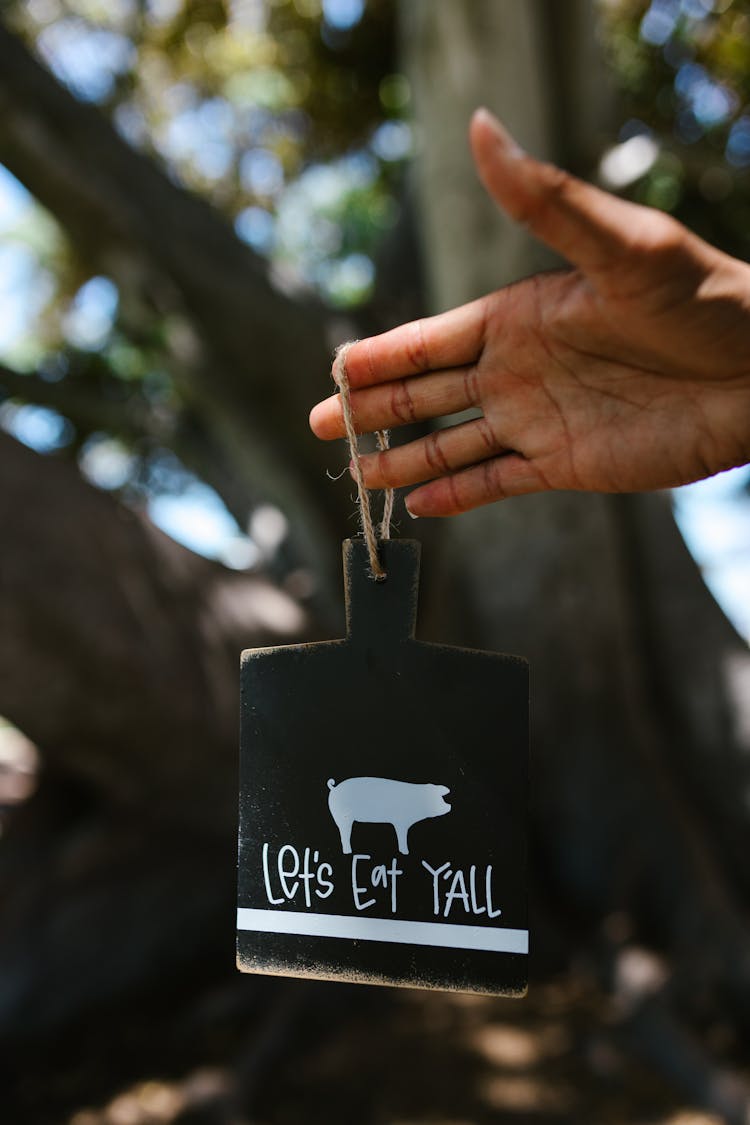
(341, 379)
(383, 440)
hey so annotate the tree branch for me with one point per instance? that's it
(250, 358)
(99, 401)
(119, 412)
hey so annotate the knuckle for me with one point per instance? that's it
(402, 404)
(554, 184)
(657, 235)
(471, 384)
(356, 402)
(554, 180)
(455, 501)
(661, 250)
(491, 488)
(416, 347)
(551, 188)
(487, 434)
(435, 454)
(383, 469)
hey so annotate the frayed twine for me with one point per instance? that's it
(341, 379)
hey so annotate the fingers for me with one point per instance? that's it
(587, 226)
(436, 455)
(398, 403)
(496, 479)
(451, 339)
(465, 465)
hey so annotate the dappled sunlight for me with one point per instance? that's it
(405, 1057)
(157, 1102)
(262, 609)
(692, 1118)
(507, 1046)
(523, 1094)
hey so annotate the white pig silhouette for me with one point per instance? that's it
(380, 800)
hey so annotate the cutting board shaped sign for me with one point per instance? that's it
(383, 801)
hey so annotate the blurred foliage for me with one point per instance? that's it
(289, 116)
(683, 67)
(240, 98)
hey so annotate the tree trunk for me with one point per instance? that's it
(119, 658)
(640, 768)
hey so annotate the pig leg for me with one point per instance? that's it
(344, 825)
(402, 832)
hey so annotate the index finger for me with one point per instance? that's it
(450, 339)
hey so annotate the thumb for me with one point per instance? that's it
(589, 227)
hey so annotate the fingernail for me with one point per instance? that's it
(500, 133)
(409, 511)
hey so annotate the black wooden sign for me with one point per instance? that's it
(383, 801)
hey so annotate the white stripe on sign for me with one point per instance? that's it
(445, 934)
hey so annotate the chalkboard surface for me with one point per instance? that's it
(383, 801)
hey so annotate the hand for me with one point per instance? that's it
(629, 371)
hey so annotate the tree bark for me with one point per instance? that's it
(640, 774)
